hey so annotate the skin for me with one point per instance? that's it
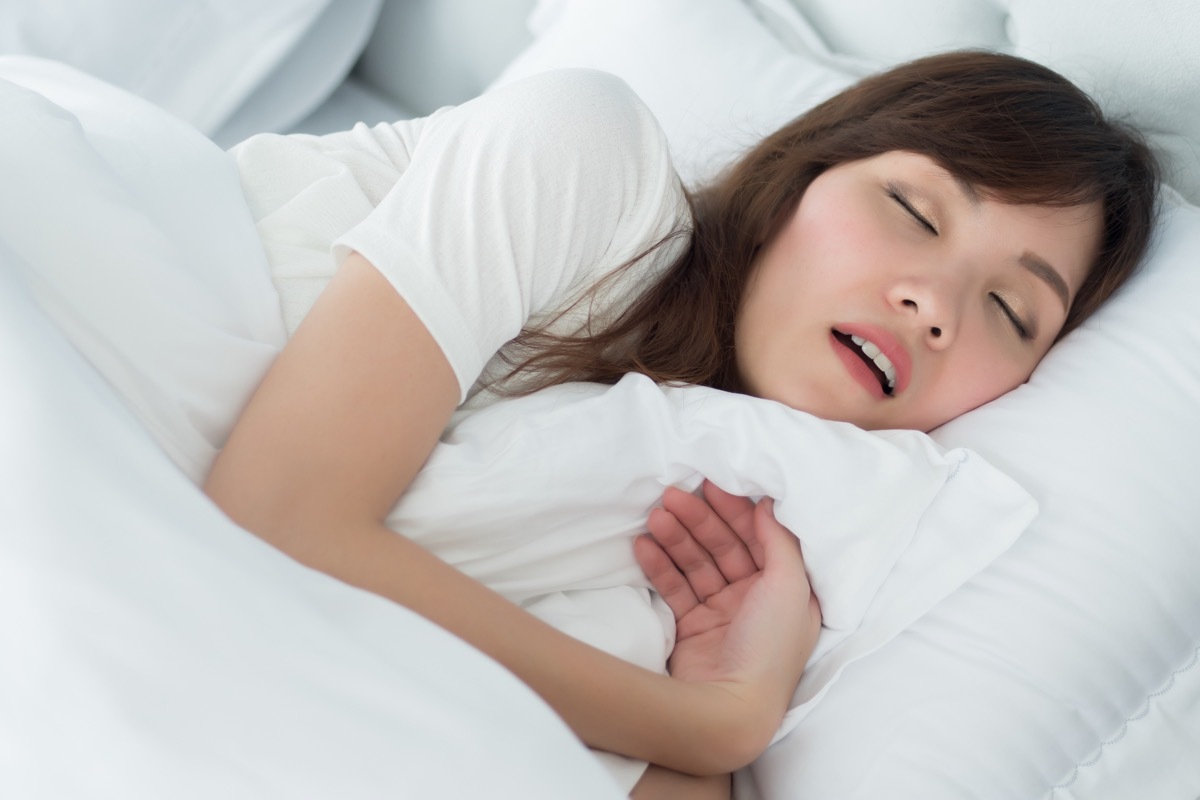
(926, 269)
(702, 554)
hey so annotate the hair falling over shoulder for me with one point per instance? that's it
(1012, 128)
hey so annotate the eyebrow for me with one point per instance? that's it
(1035, 264)
(1042, 270)
(968, 190)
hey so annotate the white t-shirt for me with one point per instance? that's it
(486, 217)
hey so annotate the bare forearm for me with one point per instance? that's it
(660, 783)
(609, 703)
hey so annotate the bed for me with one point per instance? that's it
(151, 648)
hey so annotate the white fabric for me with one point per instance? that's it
(1040, 661)
(877, 31)
(310, 73)
(1138, 60)
(430, 54)
(720, 73)
(740, 82)
(544, 494)
(199, 59)
(352, 102)
(485, 217)
(178, 309)
(151, 648)
(1138, 756)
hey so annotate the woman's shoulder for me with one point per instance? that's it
(577, 94)
(583, 114)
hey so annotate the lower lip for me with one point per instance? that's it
(857, 368)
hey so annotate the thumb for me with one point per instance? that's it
(776, 541)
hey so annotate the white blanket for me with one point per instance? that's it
(149, 647)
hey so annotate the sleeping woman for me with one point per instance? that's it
(905, 252)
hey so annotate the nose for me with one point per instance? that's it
(930, 305)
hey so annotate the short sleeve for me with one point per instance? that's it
(516, 201)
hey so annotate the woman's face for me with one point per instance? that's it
(896, 296)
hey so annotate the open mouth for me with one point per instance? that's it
(879, 364)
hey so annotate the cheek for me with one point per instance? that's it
(777, 283)
(830, 240)
(979, 381)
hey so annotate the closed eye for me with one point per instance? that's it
(1021, 328)
(896, 194)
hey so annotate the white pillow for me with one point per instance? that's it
(307, 76)
(1138, 65)
(715, 78)
(228, 67)
(1010, 683)
(151, 648)
(513, 497)
(888, 32)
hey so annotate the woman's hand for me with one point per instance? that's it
(734, 579)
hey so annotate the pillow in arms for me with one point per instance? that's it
(544, 494)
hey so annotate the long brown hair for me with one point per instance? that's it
(1016, 130)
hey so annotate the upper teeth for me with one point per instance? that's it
(875, 354)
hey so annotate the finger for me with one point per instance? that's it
(785, 565)
(726, 548)
(664, 576)
(754, 537)
(737, 511)
(773, 543)
(692, 560)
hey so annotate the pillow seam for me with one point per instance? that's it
(1123, 729)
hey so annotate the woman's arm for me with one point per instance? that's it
(659, 783)
(697, 552)
(333, 436)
